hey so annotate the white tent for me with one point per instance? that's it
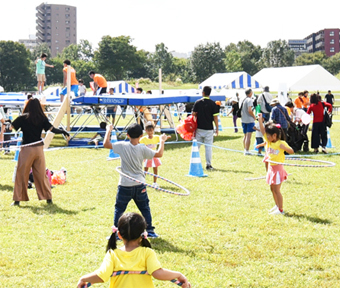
(234, 80)
(298, 78)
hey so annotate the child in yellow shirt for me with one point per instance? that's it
(136, 257)
(276, 146)
(151, 141)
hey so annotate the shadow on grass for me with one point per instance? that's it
(226, 137)
(50, 209)
(309, 218)
(6, 187)
(162, 245)
(231, 170)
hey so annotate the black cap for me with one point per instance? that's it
(266, 89)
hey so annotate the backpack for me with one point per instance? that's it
(268, 107)
(327, 119)
(239, 111)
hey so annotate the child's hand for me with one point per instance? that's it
(259, 115)
(184, 280)
(109, 127)
(165, 137)
(81, 284)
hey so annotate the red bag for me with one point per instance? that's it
(190, 124)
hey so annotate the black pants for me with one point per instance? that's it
(319, 132)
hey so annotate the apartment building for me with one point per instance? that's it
(56, 26)
(326, 40)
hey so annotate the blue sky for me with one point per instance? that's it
(180, 24)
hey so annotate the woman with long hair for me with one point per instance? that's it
(31, 155)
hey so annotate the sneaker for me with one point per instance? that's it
(155, 185)
(15, 203)
(152, 234)
(273, 209)
(324, 150)
(49, 201)
(277, 212)
(209, 167)
(247, 153)
(316, 151)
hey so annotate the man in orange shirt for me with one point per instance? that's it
(306, 100)
(74, 81)
(100, 83)
(299, 101)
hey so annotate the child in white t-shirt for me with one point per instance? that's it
(259, 137)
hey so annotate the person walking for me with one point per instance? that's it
(264, 100)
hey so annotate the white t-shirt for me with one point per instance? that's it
(298, 114)
(258, 133)
(260, 101)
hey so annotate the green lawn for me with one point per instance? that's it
(219, 236)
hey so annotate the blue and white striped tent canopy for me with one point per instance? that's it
(234, 80)
(120, 87)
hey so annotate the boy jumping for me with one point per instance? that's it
(132, 155)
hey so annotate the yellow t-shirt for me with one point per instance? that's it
(139, 259)
(74, 80)
(274, 152)
(150, 143)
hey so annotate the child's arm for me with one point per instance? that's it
(94, 136)
(89, 278)
(261, 145)
(256, 128)
(263, 131)
(107, 143)
(164, 274)
(287, 149)
(160, 150)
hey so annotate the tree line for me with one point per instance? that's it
(117, 59)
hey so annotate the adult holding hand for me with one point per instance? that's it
(31, 123)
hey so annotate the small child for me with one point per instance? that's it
(151, 142)
(136, 256)
(132, 155)
(7, 137)
(82, 88)
(100, 134)
(275, 138)
(259, 137)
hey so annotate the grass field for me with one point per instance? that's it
(219, 236)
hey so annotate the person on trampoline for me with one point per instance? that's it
(132, 155)
(151, 141)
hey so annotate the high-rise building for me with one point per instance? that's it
(29, 43)
(56, 26)
(326, 40)
(298, 46)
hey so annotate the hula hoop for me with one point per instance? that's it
(258, 178)
(118, 169)
(328, 163)
(117, 273)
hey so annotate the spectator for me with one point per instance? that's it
(248, 120)
(306, 101)
(280, 115)
(299, 101)
(234, 108)
(264, 100)
(329, 97)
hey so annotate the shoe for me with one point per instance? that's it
(316, 151)
(277, 212)
(246, 153)
(273, 209)
(15, 203)
(209, 167)
(155, 185)
(49, 201)
(152, 234)
(324, 150)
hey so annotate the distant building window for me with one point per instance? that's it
(57, 48)
(331, 33)
(332, 41)
(332, 49)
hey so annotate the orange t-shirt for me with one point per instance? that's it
(100, 80)
(299, 102)
(305, 102)
(74, 80)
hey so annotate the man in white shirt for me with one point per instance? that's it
(263, 98)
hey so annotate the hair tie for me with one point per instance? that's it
(144, 235)
(278, 126)
(114, 229)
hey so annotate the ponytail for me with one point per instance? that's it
(145, 242)
(112, 243)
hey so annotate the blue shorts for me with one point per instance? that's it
(110, 112)
(259, 140)
(248, 127)
(74, 88)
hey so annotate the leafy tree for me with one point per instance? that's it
(233, 61)
(310, 58)
(249, 55)
(143, 67)
(116, 58)
(71, 52)
(39, 49)
(207, 60)
(86, 50)
(15, 73)
(278, 54)
(332, 64)
(161, 59)
(182, 69)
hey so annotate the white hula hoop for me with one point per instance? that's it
(328, 163)
(118, 169)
